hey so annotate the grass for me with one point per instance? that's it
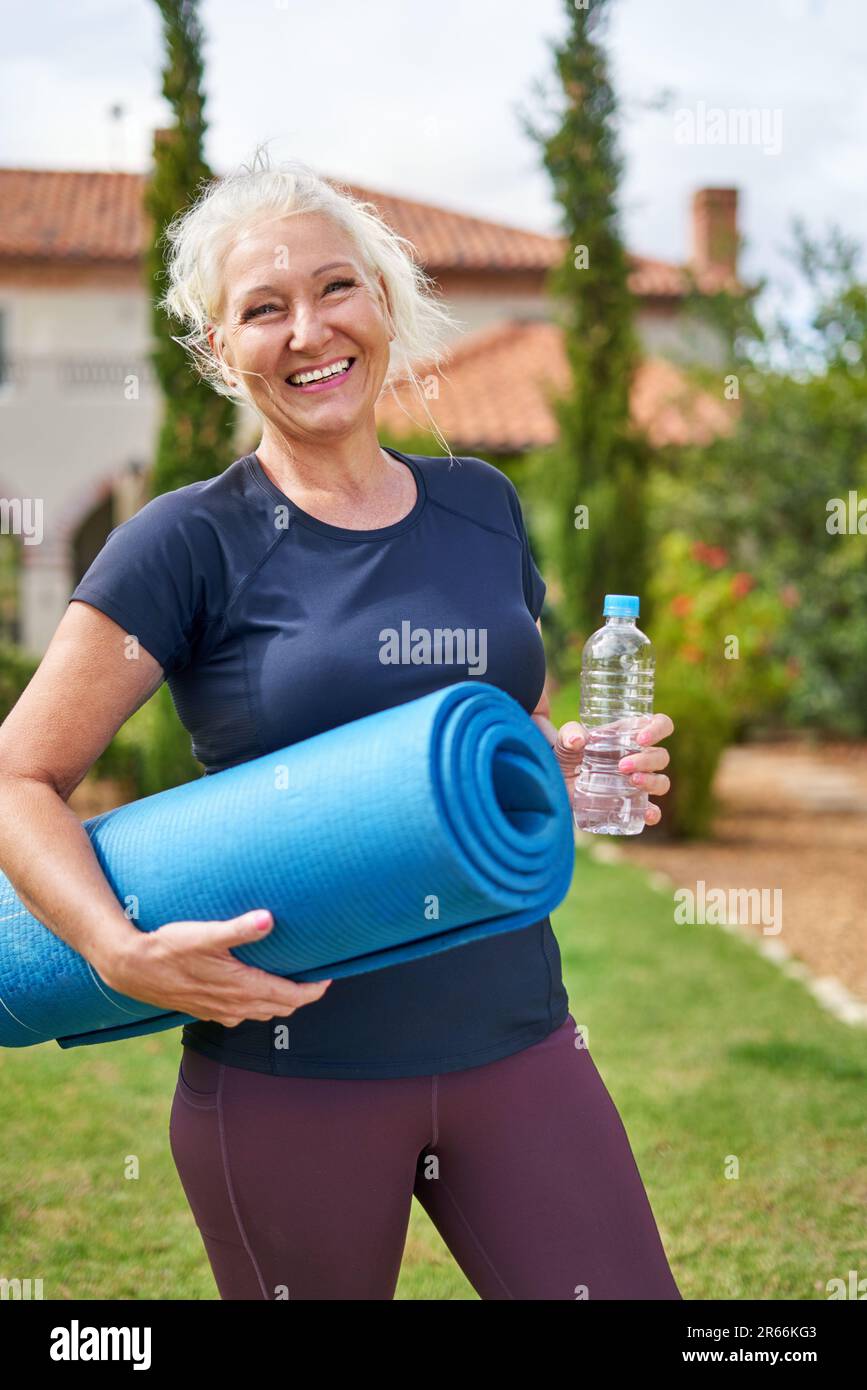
(711, 1055)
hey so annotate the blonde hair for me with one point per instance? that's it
(199, 237)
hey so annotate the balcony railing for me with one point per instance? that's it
(72, 372)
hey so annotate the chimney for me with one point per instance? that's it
(715, 233)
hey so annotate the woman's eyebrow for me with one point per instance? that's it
(274, 289)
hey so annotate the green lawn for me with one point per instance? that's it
(707, 1050)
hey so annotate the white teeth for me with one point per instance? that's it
(302, 378)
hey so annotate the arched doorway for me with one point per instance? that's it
(89, 536)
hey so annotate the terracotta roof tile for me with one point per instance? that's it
(451, 240)
(494, 395)
(72, 216)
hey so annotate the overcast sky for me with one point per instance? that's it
(423, 100)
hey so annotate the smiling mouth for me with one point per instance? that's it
(323, 382)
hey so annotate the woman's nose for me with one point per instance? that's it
(307, 331)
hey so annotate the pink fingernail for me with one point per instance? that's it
(638, 777)
(627, 765)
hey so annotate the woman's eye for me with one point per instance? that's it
(263, 308)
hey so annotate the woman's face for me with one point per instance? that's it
(295, 298)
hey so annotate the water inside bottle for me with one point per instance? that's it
(609, 803)
(617, 672)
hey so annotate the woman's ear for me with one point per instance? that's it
(215, 338)
(387, 306)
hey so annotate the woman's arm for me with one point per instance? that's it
(90, 680)
(84, 689)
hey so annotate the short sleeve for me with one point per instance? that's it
(148, 578)
(535, 587)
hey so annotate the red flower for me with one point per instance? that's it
(790, 596)
(712, 555)
(741, 584)
(691, 653)
(681, 605)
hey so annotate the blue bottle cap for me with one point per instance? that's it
(621, 606)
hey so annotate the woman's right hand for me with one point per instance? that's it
(187, 967)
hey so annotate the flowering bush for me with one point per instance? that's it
(722, 621)
(713, 629)
(768, 488)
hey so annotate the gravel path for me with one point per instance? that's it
(792, 817)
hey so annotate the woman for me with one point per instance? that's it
(306, 1116)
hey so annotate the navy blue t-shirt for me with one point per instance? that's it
(267, 623)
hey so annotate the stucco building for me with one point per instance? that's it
(79, 407)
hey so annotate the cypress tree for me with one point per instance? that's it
(196, 438)
(600, 461)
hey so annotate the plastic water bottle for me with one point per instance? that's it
(617, 669)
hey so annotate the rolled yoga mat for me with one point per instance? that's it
(407, 832)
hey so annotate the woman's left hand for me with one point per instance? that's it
(643, 768)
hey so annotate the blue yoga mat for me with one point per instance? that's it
(410, 831)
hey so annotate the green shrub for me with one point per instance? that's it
(717, 669)
(714, 623)
(703, 726)
(151, 751)
(769, 490)
(121, 761)
(167, 757)
(16, 671)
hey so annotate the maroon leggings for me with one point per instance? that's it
(301, 1187)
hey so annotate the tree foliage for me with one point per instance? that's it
(599, 462)
(196, 438)
(786, 493)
